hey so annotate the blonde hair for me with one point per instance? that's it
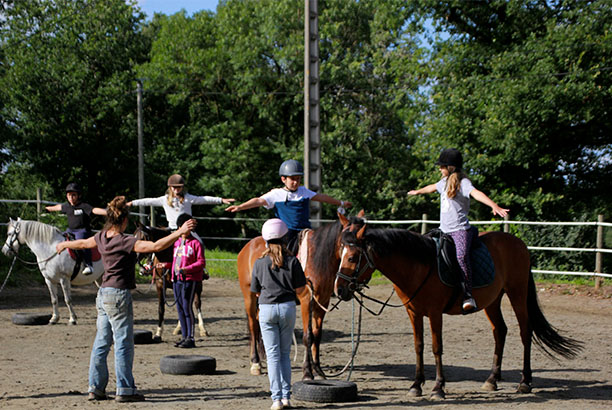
(116, 212)
(276, 252)
(453, 182)
(170, 195)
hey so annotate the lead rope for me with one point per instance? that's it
(8, 274)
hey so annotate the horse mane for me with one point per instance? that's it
(326, 238)
(392, 241)
(39, 230)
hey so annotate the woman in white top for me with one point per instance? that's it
(177, 200)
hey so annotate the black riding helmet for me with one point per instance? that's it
(73, 187)
(291, 168)
(450, 157)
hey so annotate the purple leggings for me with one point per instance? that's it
(463, 242)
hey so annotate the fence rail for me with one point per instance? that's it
(424, 222)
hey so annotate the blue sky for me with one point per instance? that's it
(172, 6)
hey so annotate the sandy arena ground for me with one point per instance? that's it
(45, 367)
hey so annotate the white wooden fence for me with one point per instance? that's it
(426, 223)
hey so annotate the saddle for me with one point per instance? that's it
(77, 256)
(483, 270)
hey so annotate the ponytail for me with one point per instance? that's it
(116, 212)
(276, 252)
(453, 181)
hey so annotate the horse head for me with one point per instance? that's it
(11, 246)
(356, 265)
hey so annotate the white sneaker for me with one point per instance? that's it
(286, 403)
(277, 405)
(87, 270)
(469, 304)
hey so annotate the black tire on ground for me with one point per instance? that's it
(31, 319)
(194, 364)
(324, 391)
(143, 337)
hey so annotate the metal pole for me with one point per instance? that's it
(141, 189)
(506, 225)
(38, 203)
(424, 225)
(312, 128)
(599, 245)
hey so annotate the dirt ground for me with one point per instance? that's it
(45, 367)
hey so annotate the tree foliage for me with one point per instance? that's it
(66, 88)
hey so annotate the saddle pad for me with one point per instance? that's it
(95, 254)
(483, 270)
(303, 248)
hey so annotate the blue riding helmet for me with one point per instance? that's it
(291, 168)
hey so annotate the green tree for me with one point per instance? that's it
(66, 89)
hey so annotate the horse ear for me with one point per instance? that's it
(361, 214)
(343, 220)
(360, 232)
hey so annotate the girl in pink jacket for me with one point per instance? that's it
(187, 269)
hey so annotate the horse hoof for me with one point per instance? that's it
(204, 334)
(488, 386)
(72, 322)
(156, 339)
(415, 392)
(256, 369)
(524, 388)
(437, 395)
(307, 377)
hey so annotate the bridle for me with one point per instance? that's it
(354, 285)
(13, 237)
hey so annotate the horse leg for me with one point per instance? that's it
(255, 342)
(197, 302)
(161, 308)
(500, 330)
(307, 338)
(53, 292)
(435, 324)
(65, 283)
(519, 305)
(317, 331)
(419, 377)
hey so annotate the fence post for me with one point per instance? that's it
(152, 219)
(599, 245)
(38, 203)
(424, 225)
(506, 225)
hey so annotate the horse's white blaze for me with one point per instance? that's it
(342, 255)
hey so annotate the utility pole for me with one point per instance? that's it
(312, 126)
(141, 189)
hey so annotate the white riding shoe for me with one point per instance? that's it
(286, 403)
(87, 271)
(469, 304)
(277, 405)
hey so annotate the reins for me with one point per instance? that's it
(354, 345)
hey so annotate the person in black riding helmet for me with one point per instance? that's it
(455, 190)
(291, 203)
(79, 218)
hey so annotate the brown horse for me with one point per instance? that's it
(409, 261)
(163, 280)
(323, 257)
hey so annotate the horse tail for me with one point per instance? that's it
(545, 335)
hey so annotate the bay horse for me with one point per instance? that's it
(163, 278)
(322, 260)
(409, 261)
(56, 269)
